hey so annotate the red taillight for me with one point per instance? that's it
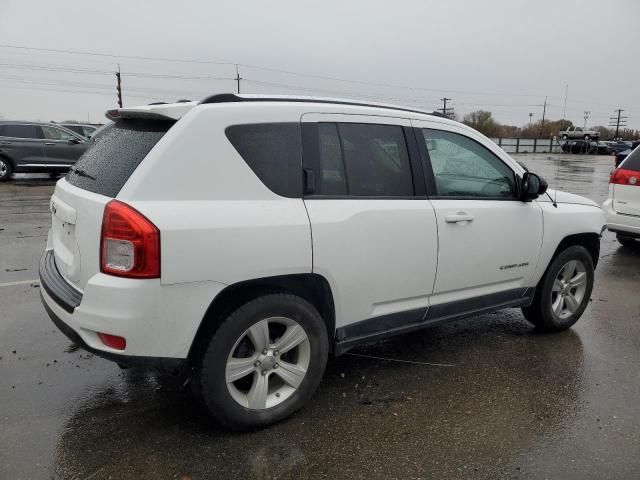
(129, 244)
(620, 176)
(113, 341)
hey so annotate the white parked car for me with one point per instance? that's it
(622, 208)
(249, 237)
(578, 132)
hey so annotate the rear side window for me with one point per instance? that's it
(362, 160)
(19, 131)
(273, 151)
(115, 154)
(632, 162)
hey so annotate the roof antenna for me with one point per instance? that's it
(564, 116)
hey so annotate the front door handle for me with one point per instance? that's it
(49, 143)
(459, 217)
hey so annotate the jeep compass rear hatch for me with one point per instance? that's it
(625, 182)
(78, 202)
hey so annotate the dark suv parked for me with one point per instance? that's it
(37, 147)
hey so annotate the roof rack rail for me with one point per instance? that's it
(234, 98)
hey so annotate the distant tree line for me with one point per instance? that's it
(483, 121)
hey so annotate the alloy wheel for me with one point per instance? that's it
(569, 289)
(268, 363)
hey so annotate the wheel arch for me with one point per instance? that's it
(310, 286)
(590, 241)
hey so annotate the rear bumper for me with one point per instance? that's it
(159, 322)
(159, 363)
(620, 223)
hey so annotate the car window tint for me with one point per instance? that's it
(464, 168)
(332, 179)
(111, 159)
(376, 160)
(20, 131)
(632, 162)
(273, 151)
(87, 131)
(54, 133)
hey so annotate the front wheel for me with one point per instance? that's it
(264, 362)
(5, 169)
(564, 137)
(564, 292)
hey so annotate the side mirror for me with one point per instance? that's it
(532, 186)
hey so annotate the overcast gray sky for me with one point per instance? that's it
(498, 55)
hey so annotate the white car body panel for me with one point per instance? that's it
(622, 209)
(220, 225)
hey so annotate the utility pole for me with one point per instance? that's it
(530, 118)
(445, 111)
(544, 112)
(238, 78)
(119, 87)
(619, 121)
(586, 117)
(564, 110)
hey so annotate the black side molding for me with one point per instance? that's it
(403, 322)
(55, 285)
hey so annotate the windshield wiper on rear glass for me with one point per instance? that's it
(82, 173)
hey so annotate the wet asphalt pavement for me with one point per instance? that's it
(485, 397)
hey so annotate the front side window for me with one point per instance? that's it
(17, 130)
(54, 133)
(273, 151)
(464, 168)
(363, 160)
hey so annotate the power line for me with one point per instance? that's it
(65, 69)
(259, 67)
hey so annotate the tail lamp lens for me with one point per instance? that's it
(130, 243)
(620, 176)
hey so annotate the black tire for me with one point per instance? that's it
(587, 137)
(627, 241)
(6, 169)
(211, 367)
(565, 137)
(540, 313)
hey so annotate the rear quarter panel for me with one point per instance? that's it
(217, 220)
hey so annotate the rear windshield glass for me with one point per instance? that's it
(115, 154)
(632, 162)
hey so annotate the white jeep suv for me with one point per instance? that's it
(248, 237)
(622, 208)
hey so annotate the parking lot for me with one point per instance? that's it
(485, 397)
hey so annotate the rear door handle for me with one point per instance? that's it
(49, 143)
(459, 217)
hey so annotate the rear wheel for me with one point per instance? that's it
(264, 362)
(627, 241)
(6, 170)
(564, 137)
(564, 292)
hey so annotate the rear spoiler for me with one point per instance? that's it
(169, 111)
